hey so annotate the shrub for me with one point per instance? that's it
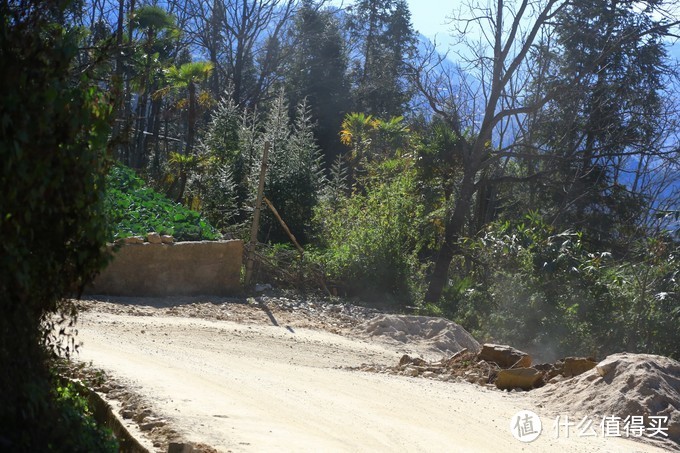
(77, 423)
(53, 133)
(543, 290)
(369, 240)
(135, 209)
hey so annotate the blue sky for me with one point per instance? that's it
(429, 17)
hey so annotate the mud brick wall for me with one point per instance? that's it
(179, 269)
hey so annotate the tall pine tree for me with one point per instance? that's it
(607, 80)
(385, 42)
(316, 73)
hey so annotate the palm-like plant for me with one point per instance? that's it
(392, 135)
(158, 31)
(152, 19)
(356, 132)
(183, 164)
(189, 76)
(372, 138)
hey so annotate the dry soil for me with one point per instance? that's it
(273, 375)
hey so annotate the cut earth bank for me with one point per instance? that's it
(278, 374)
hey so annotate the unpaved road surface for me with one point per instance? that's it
(256, 386)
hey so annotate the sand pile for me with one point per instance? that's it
(622, 385)
(420, 334)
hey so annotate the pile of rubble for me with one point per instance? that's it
(494, 365)
(264, 309)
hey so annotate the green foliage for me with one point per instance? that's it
(543, 290)
(215, 193)
(222, 185)
(82, 434)
(337, 186)
(151, 19)
(189, 73)
(606, 88)
(135, 209)
(53, 131)
(369, 240)
(536, 296)
(645, 294)
(233, 146)
(316, 73)
(294, 174)
(386, 41)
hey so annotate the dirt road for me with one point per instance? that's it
(261, 388)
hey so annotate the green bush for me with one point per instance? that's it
(53, 132)
(544, 291)
(77, 423)
(369, 240)
(135, 209)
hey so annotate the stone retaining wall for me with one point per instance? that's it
(179, 269)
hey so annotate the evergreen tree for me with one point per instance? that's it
(386, 41)
(317, 72)
(294, 174)
(607, 80)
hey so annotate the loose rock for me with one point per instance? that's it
(504, 356)
(522, 378)
(573, 366)
(153, 238)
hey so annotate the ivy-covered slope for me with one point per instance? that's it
(135, 209)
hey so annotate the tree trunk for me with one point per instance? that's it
(191, 118)
(183, 176)
(454, 226)
(119, 95)
(138, 158)
(155, 126)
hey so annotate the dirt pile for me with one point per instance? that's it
(623, 385)
(421, 334)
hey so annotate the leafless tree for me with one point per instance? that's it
(484, 100)
(242, 40)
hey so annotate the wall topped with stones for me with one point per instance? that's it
(172, 269)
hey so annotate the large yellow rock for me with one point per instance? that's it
(573, 366)
(523, 378)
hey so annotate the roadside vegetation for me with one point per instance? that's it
(134, 209)
(53, 131)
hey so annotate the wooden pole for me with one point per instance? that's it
(250, 261)
(285, 227)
